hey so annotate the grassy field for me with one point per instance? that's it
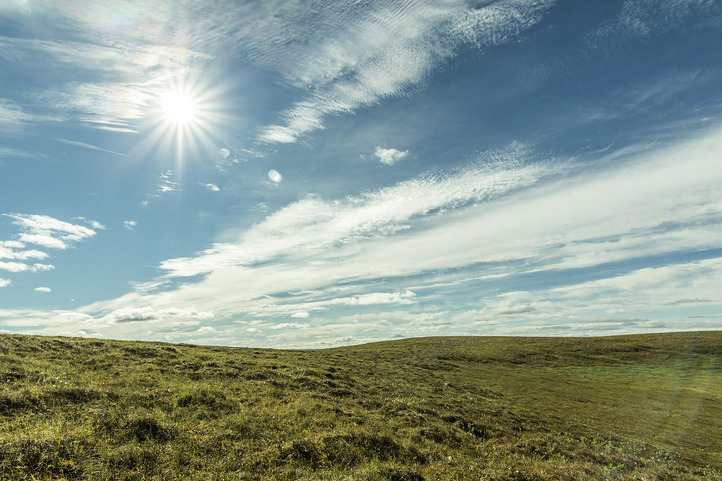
(645, 407)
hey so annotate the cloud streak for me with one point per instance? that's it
(14, 118)
(313, 224)
(88, 146)
(385, 53)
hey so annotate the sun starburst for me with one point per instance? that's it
(184, 119)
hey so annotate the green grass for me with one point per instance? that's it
(645, 407)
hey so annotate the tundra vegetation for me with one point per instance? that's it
(644, 407)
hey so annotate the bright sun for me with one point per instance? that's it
(179, 107)
(184, 118)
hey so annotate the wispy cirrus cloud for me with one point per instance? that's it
(341, 56)
(313, 224)
(304, 304)
(14, 118)
(127, 74)
(387, 52)
(624, 303)
(8, 152)
(127, 57)
(642, 18)
(87, 146)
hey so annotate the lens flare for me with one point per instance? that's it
(275, 176)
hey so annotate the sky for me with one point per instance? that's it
(294, 174)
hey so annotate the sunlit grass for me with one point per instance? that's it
(632, 407)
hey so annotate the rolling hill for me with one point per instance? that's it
(446, 408)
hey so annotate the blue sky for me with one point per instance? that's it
(288, 174)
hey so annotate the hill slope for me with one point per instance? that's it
(628, 407)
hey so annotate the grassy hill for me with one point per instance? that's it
(646, 407)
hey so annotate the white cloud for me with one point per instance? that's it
(87, 146)
(130, 224)
(301, 309)
(43, 240)
(206, 329)
(212, 187)
(128, 73)
(643, 18)
(92, 223)
(8, 250)
(227, 158)
(132, 314)
(166, 183)
(290, 325)
(5, 282)
(13, 118)
(43, 231)
(350, 56)
(50, 232)
(106, 102)
(185, 313)
(8, 152)
(43, 289)
(310, 225)
(691, 282)
(619, 304)
(82, 333)
(11, 244)
(354, 59)
(149, 313)
(390, 156)
(22, 267)
(379, 298)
